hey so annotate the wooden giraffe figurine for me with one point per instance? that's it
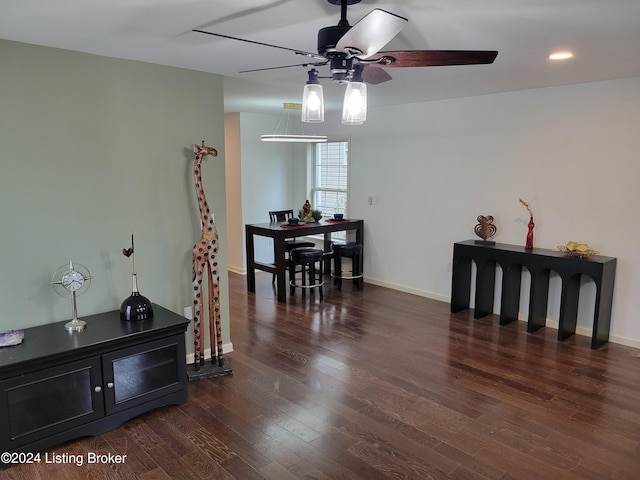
(204, 258)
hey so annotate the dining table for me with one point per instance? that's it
(280, 232)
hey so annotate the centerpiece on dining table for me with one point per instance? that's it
(309, 215)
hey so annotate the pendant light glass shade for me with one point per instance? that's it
(354, 108)
(312, 99)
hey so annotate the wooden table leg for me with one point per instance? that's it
(510, 301)
(250, 254)
(279, 250)
(603, 307)
(485, 288)
(460, 283)
(569, 307)
(538, 299)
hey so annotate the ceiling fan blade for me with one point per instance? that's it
(315, 64)
(373, 32)
(374, 74)
(436, 58)
(299, 52)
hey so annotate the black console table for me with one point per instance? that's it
(540, 262)
(58, 385)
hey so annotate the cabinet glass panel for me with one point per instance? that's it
(145, 372)
(49, 401)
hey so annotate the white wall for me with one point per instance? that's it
(571, 152)
(267, 179)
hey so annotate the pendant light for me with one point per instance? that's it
(354, 107)
(291, 137)
(312, 99)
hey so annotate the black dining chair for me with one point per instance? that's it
(277, 216)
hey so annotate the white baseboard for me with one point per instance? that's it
(586, 332)
(238, 270)
(226, 348)
(404, 288)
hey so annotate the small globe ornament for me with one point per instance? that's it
(485, 229)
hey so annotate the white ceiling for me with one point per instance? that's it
(603, 34)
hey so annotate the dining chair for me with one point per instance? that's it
(280, 215)
(276, 216)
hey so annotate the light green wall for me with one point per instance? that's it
(92, 148)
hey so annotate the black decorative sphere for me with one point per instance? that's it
(136, 307)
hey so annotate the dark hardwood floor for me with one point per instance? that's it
(379, 384)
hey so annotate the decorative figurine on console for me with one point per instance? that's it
(529, 244)
(485, 229)
(204, 258)
(135, 307)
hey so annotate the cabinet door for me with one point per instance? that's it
(144, 372)
(40, 404)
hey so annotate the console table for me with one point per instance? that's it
(57, 385)
(540, 262)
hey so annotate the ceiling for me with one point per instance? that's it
(603, 34)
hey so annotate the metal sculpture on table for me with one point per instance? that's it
(204, 259)
(485, 229)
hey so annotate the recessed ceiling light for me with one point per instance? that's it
(560, 56)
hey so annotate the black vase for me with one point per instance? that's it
(136, 307)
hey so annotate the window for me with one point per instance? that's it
(330, 177)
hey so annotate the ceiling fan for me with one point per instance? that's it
(350, 50)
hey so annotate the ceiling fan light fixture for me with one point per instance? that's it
(347, 47)
(354, 108)
(312, 99)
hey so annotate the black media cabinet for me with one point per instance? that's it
(540, 262)
(57, 385)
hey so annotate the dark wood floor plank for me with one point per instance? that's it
(305, 451)
(155, 474)
(379, 384)
(171, 463)
(469, 465)
(275, 471)
(120, 442)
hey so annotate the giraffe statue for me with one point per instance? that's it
(204, 258)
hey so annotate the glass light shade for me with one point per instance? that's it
(312, 103)
(354, 108)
